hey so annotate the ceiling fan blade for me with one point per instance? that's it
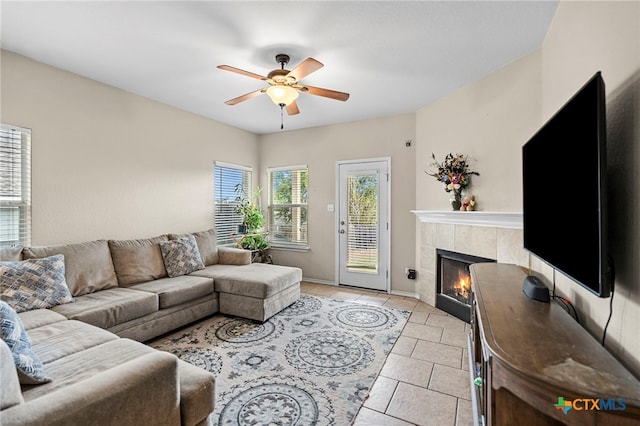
(305, 68)
(333, 94)
(245, 97)
(292, 108)
(243, 72)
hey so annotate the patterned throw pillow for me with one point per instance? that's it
(34, 284)
(181, 256)
(28, 364)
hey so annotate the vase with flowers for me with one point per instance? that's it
(455, 174)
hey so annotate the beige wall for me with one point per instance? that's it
(488, 120)
(586, 37)
(110, 164)
(320, 149)
(492, 118)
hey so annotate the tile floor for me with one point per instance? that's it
(425, 380)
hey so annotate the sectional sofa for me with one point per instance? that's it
(86, 307)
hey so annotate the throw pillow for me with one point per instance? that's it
(34, 284)
(181, 256)
(28, 364)
(207, 245)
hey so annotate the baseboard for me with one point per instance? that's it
(332, 283)
(405, 294)
(316, 281)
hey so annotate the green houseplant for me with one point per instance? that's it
(257, 242)
(249, 209)
(252, 237)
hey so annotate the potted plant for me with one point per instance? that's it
(249, 208)
(254, 242)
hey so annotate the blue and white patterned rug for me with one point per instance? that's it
(311, 364)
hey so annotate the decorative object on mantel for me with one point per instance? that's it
(469, 203)
(454, 173)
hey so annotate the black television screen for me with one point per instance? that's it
(564, 190)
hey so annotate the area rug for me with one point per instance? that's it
(311, 364)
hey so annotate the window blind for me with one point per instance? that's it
(362, 222)
(230, 182)
(15, 186)
(288, 188)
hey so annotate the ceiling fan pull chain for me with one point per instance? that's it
(281, 116)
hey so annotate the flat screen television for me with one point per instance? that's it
(565, 192)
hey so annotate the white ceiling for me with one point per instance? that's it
(393, 57)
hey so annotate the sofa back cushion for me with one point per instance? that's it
(138, 261)
(88, 265)
(207, 245)
(10, 253)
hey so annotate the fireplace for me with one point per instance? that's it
(453, 282)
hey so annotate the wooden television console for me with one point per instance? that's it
(524, 355)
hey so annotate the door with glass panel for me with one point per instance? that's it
(363, 224)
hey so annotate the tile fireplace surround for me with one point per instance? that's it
(494, 235)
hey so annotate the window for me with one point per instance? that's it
(230, 181)
(288, 188)
(15, 186)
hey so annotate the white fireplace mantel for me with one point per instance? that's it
(511, 220)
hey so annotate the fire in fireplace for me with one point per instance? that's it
(454, 282)
(460, 287)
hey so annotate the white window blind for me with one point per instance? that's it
(230, 182)
(362, 222)
(288, 187)
(15, 186)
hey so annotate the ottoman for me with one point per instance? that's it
(258, 290)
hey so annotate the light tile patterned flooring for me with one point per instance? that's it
(425, 380)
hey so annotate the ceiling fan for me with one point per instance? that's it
(284, 85)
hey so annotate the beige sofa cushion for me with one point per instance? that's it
(177, 290)
(40, 317)
(10, 393)
(214, 271)
(257, 280)
(138, 261)
(88, 265)
(107, 308)
(207, 245)
(10, 253)
(54, 341)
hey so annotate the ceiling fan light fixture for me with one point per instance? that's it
(282, 95)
